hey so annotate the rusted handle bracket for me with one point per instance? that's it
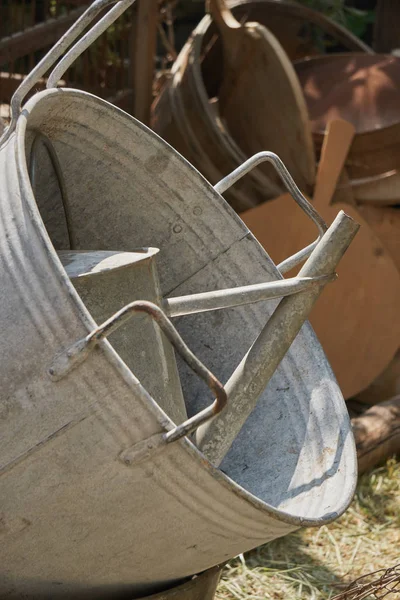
(76, 354)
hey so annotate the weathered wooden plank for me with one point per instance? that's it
(387, 26)
(37, 37)
(377, 433)
(144, 56)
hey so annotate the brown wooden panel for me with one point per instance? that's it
(36, 38)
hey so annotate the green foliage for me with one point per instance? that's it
(353, 19)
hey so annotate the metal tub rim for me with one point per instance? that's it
(18, 138)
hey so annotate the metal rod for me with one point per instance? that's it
(292, 188)
(256, 369)
(48, 61)
(79, 352)
(86, 41)
(248, 294)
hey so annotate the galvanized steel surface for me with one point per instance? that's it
(108, 281)
(261, 157)
(252, 375)
(77, 519)
(239, 296)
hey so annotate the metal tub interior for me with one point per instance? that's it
(76, 520)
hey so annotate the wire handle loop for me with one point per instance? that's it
(86, 41)
(59, 48)
(78, 352)
(294, 191)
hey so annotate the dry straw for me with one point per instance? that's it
(317, 564)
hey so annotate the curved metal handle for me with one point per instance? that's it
(54, 54)
(294, 191)
(86, 41)
(76, 354)
(222, 15)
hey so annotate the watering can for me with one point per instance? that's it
(108, 491)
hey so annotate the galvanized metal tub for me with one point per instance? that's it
(76, 519)
(185, 117)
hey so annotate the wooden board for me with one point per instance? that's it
(144, 56)
(385, 221)
(385, 386)
(377, 434)
(356, 318)
(383, 191)
(363, 89)
(260, 98)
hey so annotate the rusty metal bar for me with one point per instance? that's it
(256, 369)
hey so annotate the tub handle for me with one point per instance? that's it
(59, 48)
(294, 191)
(78, 352)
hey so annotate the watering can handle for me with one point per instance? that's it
(60, 47)
(78, 352)
(292, 188)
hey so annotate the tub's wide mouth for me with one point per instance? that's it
(325, 437)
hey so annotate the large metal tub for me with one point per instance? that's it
(76, 520)
(184, 115)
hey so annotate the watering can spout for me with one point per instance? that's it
(257, 367)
